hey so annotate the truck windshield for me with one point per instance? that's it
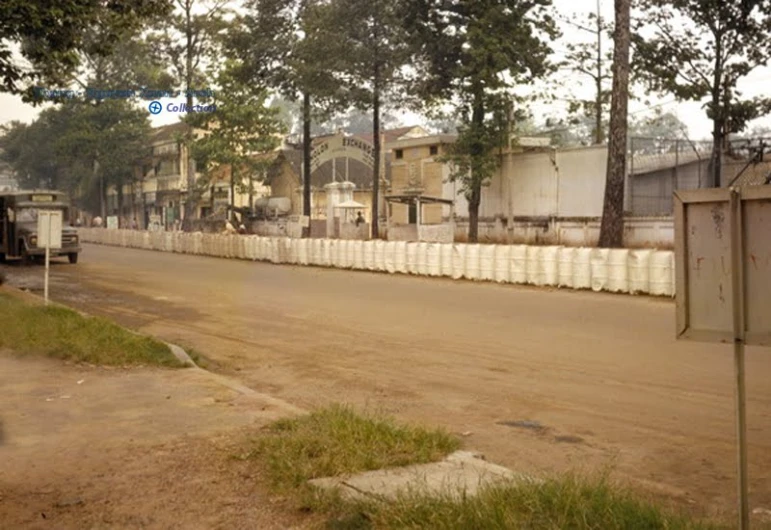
(26, 215)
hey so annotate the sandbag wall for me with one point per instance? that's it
(615, 270)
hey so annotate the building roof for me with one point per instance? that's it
(169, 132)
(391, 135)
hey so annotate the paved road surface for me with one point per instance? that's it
(601, 373)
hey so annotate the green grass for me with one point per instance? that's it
(59, 332)
(336, 440)
(564, 503)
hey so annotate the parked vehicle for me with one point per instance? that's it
(18, 225)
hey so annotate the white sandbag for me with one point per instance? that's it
(502, 263)
(434, 259)
(548, 267)
(582, 268)
(368, 250)
(618, 275)
(599, 262)
(487, 262)
(422, 259)
(302, 251)
(358, 254)
(400, 256)
(314, 257)
(446, 251)
(412, 257)
(459, 260)
(565, 266)
(534, 276)
(661, 273)
(518, 264)
(639, 271)
(380, 253)
(472, 262)
(389, 257)
(242, 247)
(350, 253)
(329, 252)
(274, 248)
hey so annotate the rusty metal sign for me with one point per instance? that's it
(723, 236)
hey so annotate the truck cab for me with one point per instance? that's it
(18, 225)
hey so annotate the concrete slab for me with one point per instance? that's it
(461, 473)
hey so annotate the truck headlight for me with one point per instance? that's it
(33, 241)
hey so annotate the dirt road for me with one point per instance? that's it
(87, 448)
(601, 374)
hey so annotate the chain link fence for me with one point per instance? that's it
(657, 167)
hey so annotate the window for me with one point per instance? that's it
(434, 150)
(413, 214)
(399, 154)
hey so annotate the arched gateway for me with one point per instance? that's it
(340, 146)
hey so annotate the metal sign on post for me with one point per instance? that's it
(723, 283)
(49, 235)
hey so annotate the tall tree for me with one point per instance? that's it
(470, 52)
(612, 227)
(288, 45)
(701, 49)
(376, 48)
(191, 40)
(53, 31)
(242, 128)
(591, 59)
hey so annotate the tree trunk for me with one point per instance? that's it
(189, 204)
(477, 150)
(718, 120)
(232, 195)
(307, 145)
(102, 191)
(598, 134)
(612, 228)
(119, 189)
(376, 154)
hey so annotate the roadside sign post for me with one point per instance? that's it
(49, 234)
(723, 285)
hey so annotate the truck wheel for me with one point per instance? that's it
(73, 257)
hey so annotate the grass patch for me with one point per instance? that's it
(336, 440)
(64, 334)
(568, 502)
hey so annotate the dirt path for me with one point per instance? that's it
(142, 448)
(601, 373)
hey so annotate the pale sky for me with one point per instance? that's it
(692, 114)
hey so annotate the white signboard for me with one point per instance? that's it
(723, 275)
(723, 264)
(112, 222)
(49, 229)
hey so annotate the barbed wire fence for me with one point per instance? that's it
(657, 167)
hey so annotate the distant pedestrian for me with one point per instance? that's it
(241, 229)
(97, 221)
(359, 219)
(134, 223)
